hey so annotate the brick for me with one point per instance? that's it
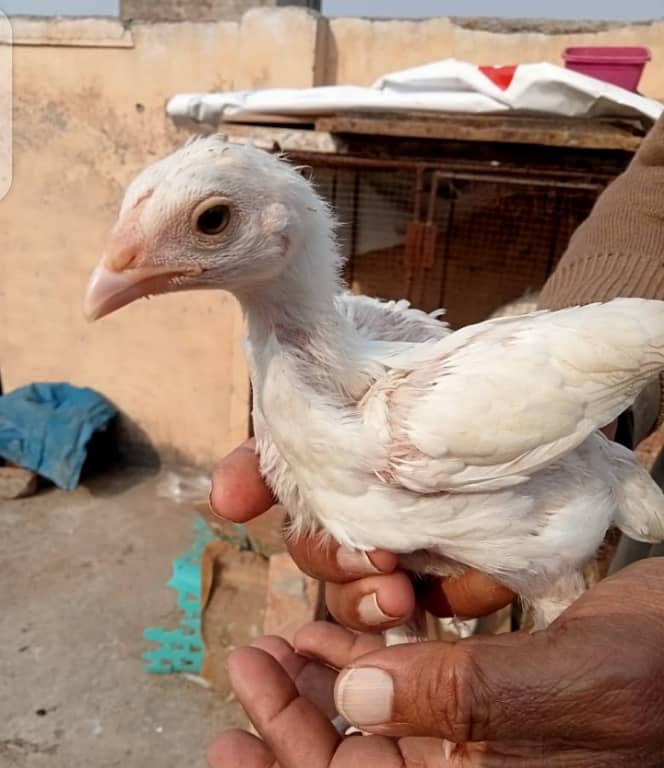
(293, 598)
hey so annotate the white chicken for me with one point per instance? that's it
(375, 424)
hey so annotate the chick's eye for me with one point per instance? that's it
(213, 220)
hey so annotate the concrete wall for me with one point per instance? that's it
(89, 113)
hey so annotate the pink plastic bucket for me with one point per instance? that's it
(620, 65)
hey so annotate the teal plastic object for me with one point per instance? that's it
(181, 649)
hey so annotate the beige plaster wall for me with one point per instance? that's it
(88, 114)
(360, 50)
(89, 101)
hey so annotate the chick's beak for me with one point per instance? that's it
(108, 290)
(125, 274)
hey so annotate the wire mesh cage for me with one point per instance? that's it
(445, 237)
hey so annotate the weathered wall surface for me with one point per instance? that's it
(360, 50)
(199, 10)
(89, 113)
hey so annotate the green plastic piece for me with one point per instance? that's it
(181, 649)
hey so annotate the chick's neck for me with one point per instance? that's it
(298, 309)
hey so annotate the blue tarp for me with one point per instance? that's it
(46, 428)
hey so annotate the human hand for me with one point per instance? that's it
(366, 592)
(586, 692)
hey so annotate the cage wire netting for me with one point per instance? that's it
(469, 242)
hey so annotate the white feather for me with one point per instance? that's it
(378, 426)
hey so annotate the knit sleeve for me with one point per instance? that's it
(619, 248)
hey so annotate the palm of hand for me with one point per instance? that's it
(586, 692)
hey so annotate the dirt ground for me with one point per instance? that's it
(82, 576)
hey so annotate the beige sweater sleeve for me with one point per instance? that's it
(619, 248)
(619, 251)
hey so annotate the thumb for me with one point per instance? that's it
(480, 689)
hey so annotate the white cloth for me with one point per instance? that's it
(442, 86)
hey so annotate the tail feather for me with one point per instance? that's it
(640, 512)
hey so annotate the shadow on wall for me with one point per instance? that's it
(327, 55)
(122, 445)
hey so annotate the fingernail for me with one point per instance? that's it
(213, 511)
(364, 696)
(355, 562)
(371, 613)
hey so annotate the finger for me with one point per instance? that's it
(297, 736)
(470, 595)
(283, 652)
(334, 645)
(484, 688)
(239, 749)
(296, 732)
(380, 752)
(239, 492)
(313, 680)
(372, 604)
(325, 560)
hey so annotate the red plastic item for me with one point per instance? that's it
(501, 76)
(620, 65)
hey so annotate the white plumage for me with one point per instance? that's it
(375, 423)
